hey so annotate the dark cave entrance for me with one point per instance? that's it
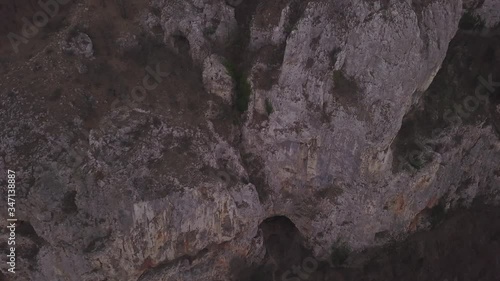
(285, 249)
(283, 241)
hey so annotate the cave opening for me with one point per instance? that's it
(282, 240)
(284, 247)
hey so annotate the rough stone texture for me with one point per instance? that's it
(175, 187)
(128, 43)
(196, 26)
(355, 104)
(216, 79)
(490, 12)
(79, 44)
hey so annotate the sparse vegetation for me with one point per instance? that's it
(340, 253)
(269, 107)
(415, 158)
(209, 31)
(338, 77)
(469, 21)
(228, 113)
(242, 89)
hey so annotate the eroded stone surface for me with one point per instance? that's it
(79, 44)
(216, 79)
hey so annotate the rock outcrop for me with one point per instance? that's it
(79, 44)
(217, 80)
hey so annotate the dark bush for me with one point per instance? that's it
(242, 89)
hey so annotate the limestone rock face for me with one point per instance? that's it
(343, 73)
(359, 125)
(489, 11)
(196, 27)
(216, 79)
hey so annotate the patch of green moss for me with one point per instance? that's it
(242, 89)
(416, 161)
